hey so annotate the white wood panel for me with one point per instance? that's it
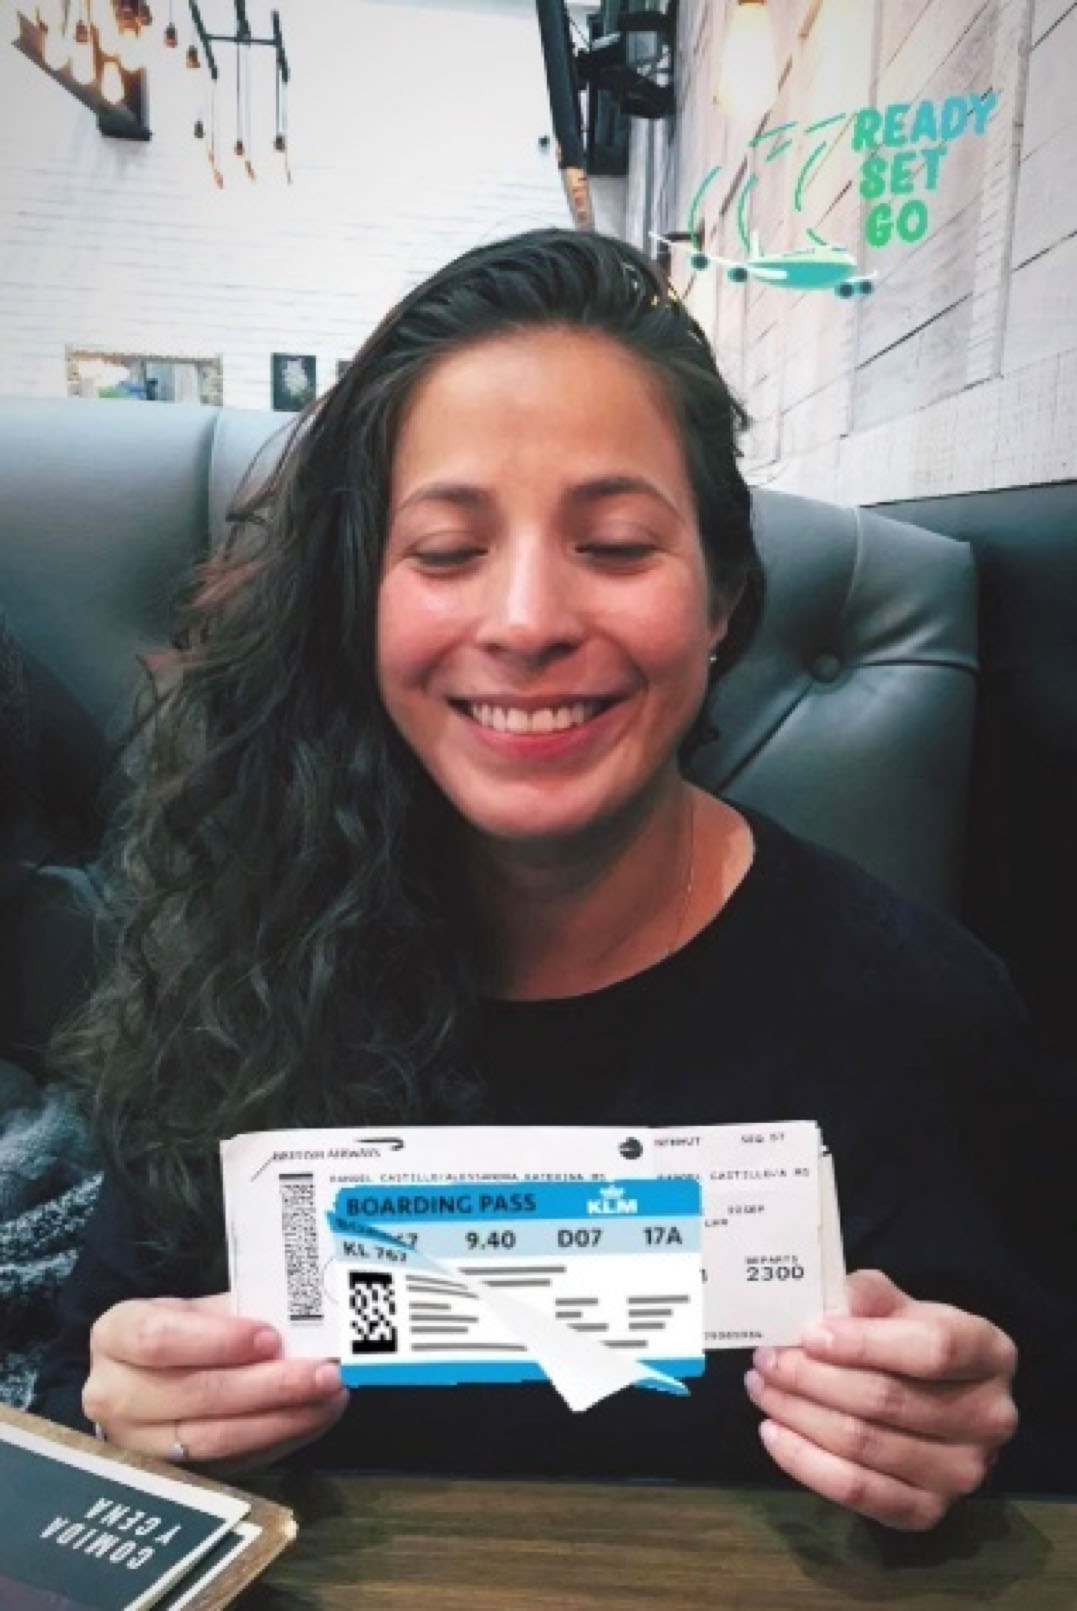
(820, 344)
(1046, 196)
(834, 68)
(1016, 430)
(1043, 308)
(765, 355)
(937, 33)
(1048, 13)
(1052, 70)
(822, 417)
(921, 285)
(917, 372)
(899, 17)
(998, 193)
(763, 441)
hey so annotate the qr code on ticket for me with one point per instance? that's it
(372, 1313)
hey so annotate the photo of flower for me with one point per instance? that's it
(295, 379)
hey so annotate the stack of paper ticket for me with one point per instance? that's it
(594, 1258)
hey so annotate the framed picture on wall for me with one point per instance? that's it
(295, 380)
(143, 377)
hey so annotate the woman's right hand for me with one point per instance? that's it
(168, 1371)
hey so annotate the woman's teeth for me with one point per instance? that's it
(552, 719)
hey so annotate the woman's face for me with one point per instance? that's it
(544, 617)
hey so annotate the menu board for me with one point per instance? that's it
(88, 1528)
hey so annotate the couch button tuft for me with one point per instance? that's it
(826, 668)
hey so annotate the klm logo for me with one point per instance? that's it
(612, 1200)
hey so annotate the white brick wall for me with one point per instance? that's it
(414, 129)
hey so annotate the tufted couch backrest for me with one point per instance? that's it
(1020, 888)
(849, 720)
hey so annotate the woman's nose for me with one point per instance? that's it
(530, 607)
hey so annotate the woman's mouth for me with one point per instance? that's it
(520, 721)
(553, 718)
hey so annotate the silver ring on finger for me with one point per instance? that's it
(179, 1451)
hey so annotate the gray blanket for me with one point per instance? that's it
(48, 1182)
(48, 1178)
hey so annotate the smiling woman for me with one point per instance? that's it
(546, 620)
(409, 841)
(546, 624)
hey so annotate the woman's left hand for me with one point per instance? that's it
(893, 1410)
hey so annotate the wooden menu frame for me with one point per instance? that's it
(277, 1524)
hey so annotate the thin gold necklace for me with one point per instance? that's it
(687, 896)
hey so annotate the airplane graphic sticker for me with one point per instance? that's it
(819, 267)
(822, 266)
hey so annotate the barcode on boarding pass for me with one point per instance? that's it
(372, 1327)
(300, 1225)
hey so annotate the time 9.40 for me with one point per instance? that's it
(579, 1236)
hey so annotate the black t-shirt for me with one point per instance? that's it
(817, 993)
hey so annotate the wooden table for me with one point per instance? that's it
(418, 1544)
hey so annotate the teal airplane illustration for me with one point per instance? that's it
(821, 267)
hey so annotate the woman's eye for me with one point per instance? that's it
(626, 551)
(445, 559)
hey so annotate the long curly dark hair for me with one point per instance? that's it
(289, 947)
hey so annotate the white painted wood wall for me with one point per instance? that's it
(961, 372)
(414, 127)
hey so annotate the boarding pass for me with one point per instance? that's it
(314, 1216)
(311, 1220)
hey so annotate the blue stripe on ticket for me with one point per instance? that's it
(458, 1373)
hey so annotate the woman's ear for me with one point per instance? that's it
(723, 603)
